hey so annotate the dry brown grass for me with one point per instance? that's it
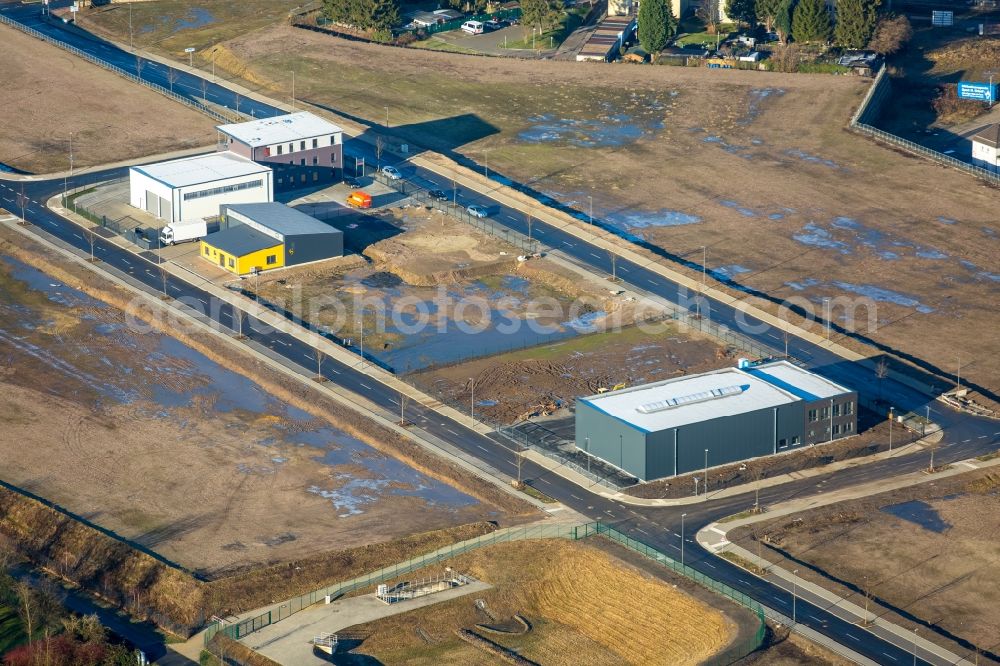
(112, 119)
(150, 589)
(579, 601)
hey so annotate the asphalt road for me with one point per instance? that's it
(965, 436)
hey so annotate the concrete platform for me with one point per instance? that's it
(289, 641)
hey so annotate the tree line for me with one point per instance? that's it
(856, 24)
(853, 24)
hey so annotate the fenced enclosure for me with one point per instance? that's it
(731, 654)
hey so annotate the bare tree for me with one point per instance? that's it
(140, 64)
(932, 446)
(92, 239)
(614, 265)
(27, 608)
(881, 372)
(379, 145)
(172, 76)
(204, 90)
(22, 201)
(708, 11)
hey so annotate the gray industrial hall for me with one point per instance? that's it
(305, 239)
(690, 423)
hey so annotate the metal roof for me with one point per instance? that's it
(201, 169)
(240, 240)
(279, 129)
(677, 402)
(281, 219)
(806, 385)
(989, 135)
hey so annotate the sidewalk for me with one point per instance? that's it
(714, 539)
(623, 498)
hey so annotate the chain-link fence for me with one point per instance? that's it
(877, 94)
(199, 106)
(731, 654)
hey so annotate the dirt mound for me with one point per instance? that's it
(228, 61)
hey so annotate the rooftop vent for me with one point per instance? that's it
(704, 396)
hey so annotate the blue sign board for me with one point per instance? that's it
(982, 92)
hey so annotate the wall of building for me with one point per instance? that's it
(140, 186)
(610, 439)
(299, 164)
(985, 156)
(303, 248)
(208, 206)
(840, 416)
(245, 264)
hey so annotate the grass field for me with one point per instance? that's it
(111, 118)
(928, 553)
(583, 606)
(11, 629)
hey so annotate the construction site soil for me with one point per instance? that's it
(110, 117)
(925, 554)
(438, 291)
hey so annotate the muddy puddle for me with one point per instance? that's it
(61, 341)
(409, 328)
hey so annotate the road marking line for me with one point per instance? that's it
(709, 564)
(482, 448)
(983, 436)
(596, 256)
(452, 432)
(651, 282)
(641, 531)
(852, 637)
(966, 441)
(575, 497)
(366, 386)
(890, 656)
(280, 342)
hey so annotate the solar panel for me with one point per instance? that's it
(680, 401)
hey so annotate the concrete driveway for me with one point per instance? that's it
(491, 43)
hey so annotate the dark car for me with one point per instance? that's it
(353, 183)
(438, 195)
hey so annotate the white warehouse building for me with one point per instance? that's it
(193, 188)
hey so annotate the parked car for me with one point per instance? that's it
(391, 172)
(475, 210)
(438, 195)
(490, 26)
(473, 27)
(353, 183)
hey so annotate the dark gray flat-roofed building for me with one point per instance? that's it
(715, 418)
(305, 239)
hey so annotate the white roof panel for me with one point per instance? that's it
(280, 129)
(807, 385)
(693, 405)
(201, 169)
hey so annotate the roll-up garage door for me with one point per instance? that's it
(165, 209)
(152, 203)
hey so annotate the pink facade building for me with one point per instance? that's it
(303, 149)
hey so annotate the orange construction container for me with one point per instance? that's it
(359, 199)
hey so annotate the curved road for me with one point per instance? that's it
(966, 436)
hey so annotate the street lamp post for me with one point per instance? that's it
(682, 538)
(914, 646)
(486, 163)
(387, 117)
(621, 452)
(891, 419)
(827, 315)
(472, 402)
(586, 448)
(591, 199)
(706, 474)
(794, 595)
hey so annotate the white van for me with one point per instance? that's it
(473, 27)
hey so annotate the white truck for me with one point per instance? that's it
(185, 230)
